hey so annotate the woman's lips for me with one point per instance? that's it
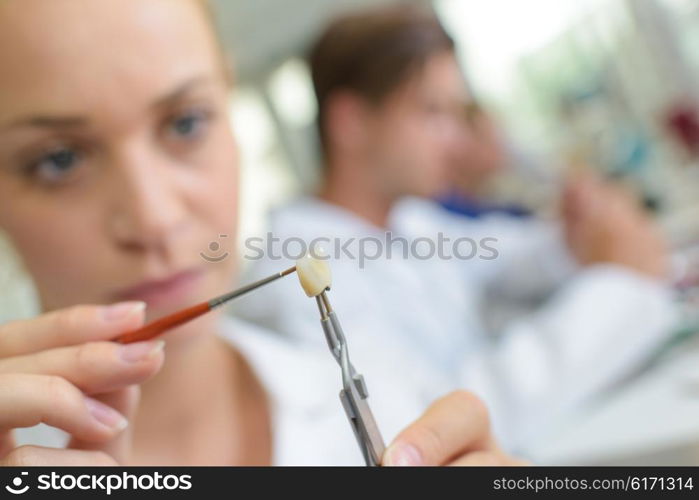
(171, 290)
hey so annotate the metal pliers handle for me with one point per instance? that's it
(354, 392)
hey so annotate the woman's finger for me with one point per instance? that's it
(37, 456)
(125, 401)
(75, 325)
(95, 367)
(28, 400)
(454, 425)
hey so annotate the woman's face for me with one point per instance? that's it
(117, 164)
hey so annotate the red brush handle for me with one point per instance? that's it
(163, 324)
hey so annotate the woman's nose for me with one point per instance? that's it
(149, 200)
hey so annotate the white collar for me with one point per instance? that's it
(297, 379)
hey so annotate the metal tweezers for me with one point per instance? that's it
(354, 392)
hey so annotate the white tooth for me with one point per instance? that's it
(314, 273)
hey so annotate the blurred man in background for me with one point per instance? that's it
(391, 102)
(484, 157)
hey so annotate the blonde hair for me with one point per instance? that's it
(209, 13)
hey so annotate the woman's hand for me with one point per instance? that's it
(61, 369)
(453, 431)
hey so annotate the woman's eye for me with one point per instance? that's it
(56, 166)
(189, 125)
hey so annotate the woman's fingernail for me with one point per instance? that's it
(106, 415)
(140, 351)
(401, 454)
(123, 310)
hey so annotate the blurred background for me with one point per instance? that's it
(607, 83)
(612, 83)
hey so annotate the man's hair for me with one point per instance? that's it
(372, 52)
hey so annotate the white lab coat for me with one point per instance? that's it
(422, 319)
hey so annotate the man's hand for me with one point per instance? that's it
(605, 224)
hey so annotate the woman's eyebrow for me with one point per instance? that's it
(67, 121)
(47, 121)
(182, 90)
